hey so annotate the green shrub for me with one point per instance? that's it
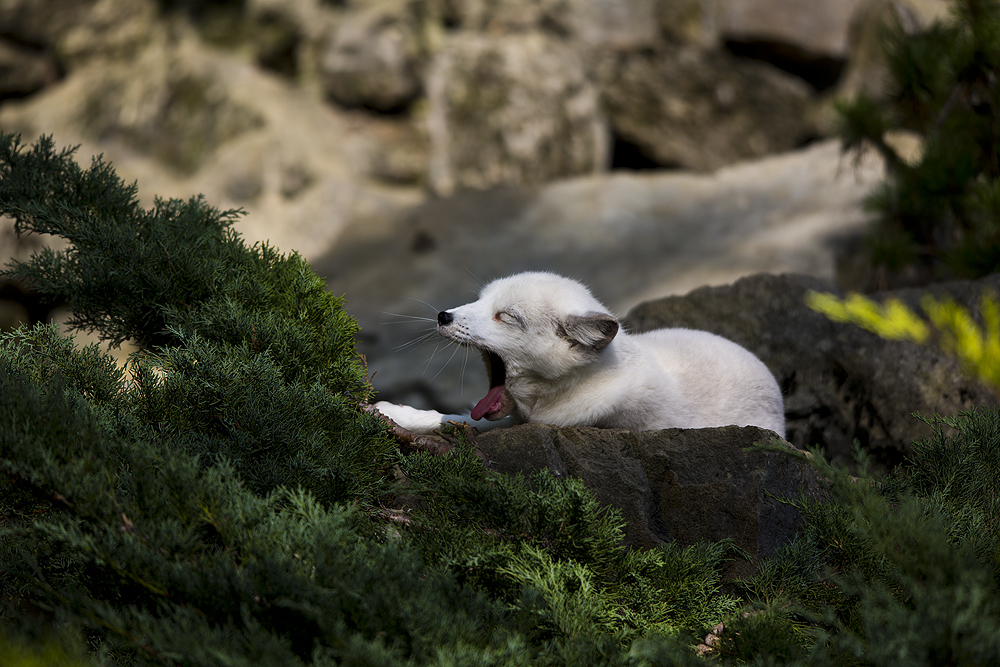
(949, 325)
(940, 212)
(901, 570)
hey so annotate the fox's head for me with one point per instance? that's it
(530, 326)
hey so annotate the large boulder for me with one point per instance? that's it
(684, 485)
(618, 24)
(811, 31)
(690, 22)
(513, 110)
(179, 112)
(841, 383)
(699, 108)
(507, 15)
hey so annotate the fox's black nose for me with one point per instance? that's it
(444, 318)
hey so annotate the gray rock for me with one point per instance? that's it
(684, 485)
(690, 21)
(701, 109)
(179, 112)
(505, 16)
(840, 383)
(816, 28)
(374, 55)
(183, 119)
(513, 110)
(592, 23)
(620, 24)
(78, 31)
(275, 39)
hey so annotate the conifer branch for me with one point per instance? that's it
(954, 97)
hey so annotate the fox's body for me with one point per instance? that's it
(555, 355)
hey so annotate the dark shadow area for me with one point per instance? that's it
(21, 306)
(629, 156)
(278, 50)
(820, 73)
(201, 9)
(29, 66)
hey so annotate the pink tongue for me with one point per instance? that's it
(490, 403)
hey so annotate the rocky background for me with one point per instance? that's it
(415, 149)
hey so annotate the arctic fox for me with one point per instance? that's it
(555, 355)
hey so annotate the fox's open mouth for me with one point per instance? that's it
(496, 404)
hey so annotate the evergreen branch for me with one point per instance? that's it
(98, 621)
(943, 83)
(958, 92)
(862, 123)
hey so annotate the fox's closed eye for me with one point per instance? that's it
(507, 318)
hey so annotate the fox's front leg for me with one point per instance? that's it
(428, 421)
(412, 419)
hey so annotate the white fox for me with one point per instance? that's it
(555, 355)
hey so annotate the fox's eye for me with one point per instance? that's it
(507, 318)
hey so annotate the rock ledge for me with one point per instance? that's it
(686, 485)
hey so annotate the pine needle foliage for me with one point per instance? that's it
(903, 569)
(155, 276)
(43, 651)
(536, 540)
(179, 560)
(942, 210)
(974, 341)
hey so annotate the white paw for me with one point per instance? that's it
(418, 421)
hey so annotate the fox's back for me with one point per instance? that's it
(718, 379)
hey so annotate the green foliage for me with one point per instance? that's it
(179, 559)
(44, 651)
(905, 568)
(901, 570)
(547, 549)
(144, 544)
(942, 210)
(223, 404)
(157, 276)
(976, 346)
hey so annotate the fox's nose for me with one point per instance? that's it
(445, 318)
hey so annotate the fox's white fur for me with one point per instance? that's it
(555, 355)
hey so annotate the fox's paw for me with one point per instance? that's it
(418, 421)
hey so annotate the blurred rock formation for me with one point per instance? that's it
(314, 115)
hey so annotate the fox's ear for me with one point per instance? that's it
(592, 330)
